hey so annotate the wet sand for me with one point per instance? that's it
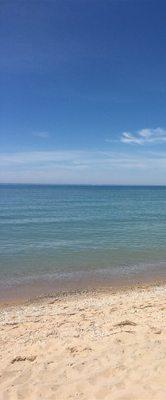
(101, 344)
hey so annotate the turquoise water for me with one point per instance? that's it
(67, 233)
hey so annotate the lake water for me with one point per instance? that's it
(65, 235)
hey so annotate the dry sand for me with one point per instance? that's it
(85, 346)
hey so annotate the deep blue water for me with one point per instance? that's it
(61, 232)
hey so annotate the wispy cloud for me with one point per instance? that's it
(70, 159)
(41, 134)
(78, 166)
(143, 136)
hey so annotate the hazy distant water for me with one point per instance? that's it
(71, 232)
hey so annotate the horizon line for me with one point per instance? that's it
(81, 184)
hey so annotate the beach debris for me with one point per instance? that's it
(155, 330)
(72, 349)
(87, 349)
(13, 324)
(125, 323)
(113, 309)
(120, 332)
(71, 314)
(53, 301)
(146, 306)
(23, 358)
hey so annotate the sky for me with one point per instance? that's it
(83, 91)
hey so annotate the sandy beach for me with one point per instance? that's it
(89, 345)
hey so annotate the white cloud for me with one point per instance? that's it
(143, 136)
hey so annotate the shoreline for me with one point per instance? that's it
(27, 294)
(94, 345)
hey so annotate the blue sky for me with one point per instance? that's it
(83, 91)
